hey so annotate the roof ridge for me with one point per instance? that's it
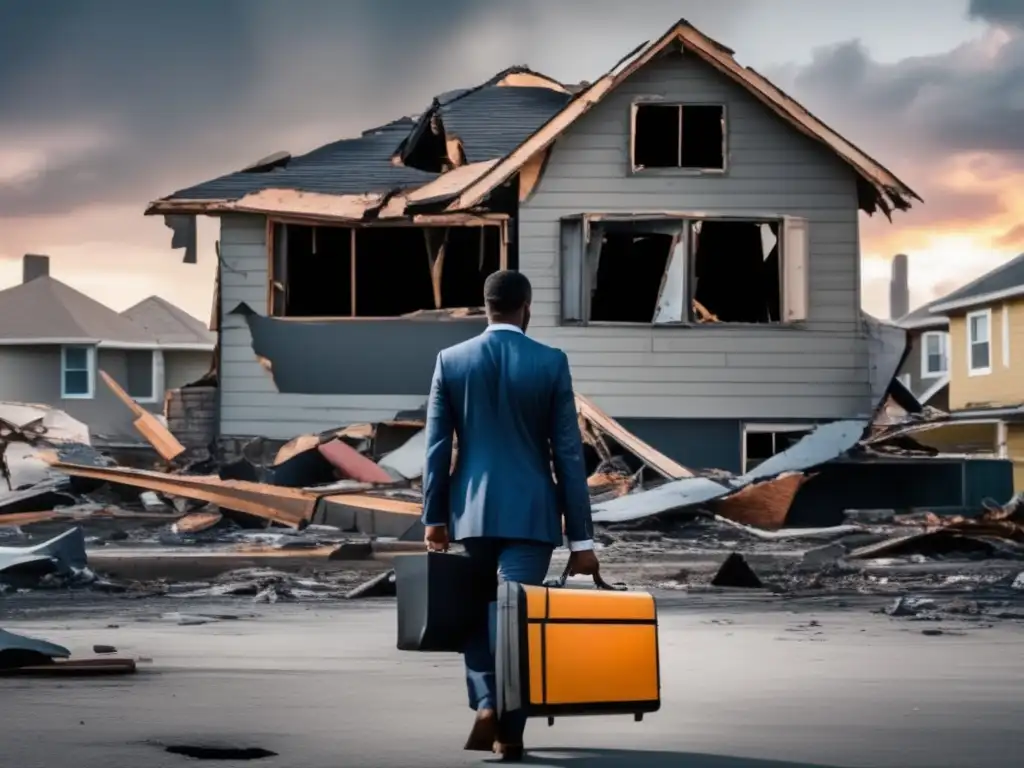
(984, 276)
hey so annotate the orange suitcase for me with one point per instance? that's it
(566, 651)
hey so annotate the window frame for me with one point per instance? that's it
(926, 372)
(773, 428)
(793, 242)
(90, 370)
(981, 370)
(657, 101)
(277, 254)
(154, 397)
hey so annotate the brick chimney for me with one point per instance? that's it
(899, 288)
(33, 266)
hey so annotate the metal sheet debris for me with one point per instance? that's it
(60, 554)
(19, 650)
(407, 461)
(770, 485)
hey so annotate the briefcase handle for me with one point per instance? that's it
(599, 582)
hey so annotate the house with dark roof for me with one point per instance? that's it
(690, 230)
(985, 358)
(54, 340)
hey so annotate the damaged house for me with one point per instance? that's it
(691, 233)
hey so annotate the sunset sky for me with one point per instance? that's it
(106, 105)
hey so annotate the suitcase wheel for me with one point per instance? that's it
(551, 721)
(638, 717)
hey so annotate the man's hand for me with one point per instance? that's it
(583, 563)
(436, 538)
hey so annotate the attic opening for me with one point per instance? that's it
(427, 147)
(670, 271)
(380, 271)
(685, 136)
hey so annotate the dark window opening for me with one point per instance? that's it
(397, 270)
(629, 274)
(761, 446)
(656, 137)
(679, 136)
(736, 271)
(318, 272)
(392, 272)
(471, 254)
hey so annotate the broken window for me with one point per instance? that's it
(380, 271)
(675, 270)
(689, 136)
(762, 441)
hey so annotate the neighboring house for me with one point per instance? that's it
(986, 357)
(925, 371)
(691, 233)
(53, 340)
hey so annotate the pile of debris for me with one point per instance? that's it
(321, 501)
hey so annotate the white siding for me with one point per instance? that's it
(250, 404)
(820, 371)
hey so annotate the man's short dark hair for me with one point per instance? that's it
(506, 291)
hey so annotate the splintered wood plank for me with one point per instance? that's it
(147, 425)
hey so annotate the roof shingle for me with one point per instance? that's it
(47, 309)
(168, 324)
(1008, 277)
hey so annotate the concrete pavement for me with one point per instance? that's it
(323, 687)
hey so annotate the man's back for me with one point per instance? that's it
(509, 400)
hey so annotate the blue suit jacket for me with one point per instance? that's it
(509, 399)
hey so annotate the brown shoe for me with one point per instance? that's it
(510, 753)
(485, 730)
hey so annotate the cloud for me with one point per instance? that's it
(1012, 238)
(998, 11)
(966, 100)
(189, 90)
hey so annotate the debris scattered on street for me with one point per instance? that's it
(319, 517)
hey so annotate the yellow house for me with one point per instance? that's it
(986, 358)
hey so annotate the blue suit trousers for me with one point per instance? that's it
(526, 562)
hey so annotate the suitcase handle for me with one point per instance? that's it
(599, 583)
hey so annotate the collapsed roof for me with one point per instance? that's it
(484, 136)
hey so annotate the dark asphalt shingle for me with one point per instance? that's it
(920, 316)
(349, 166)
(1006, 277)
(492, 121)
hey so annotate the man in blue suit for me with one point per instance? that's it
(509, 400)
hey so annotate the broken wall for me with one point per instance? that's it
(331, 375)
(816, 371)
(192, 416)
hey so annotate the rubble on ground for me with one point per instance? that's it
(318, 517)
